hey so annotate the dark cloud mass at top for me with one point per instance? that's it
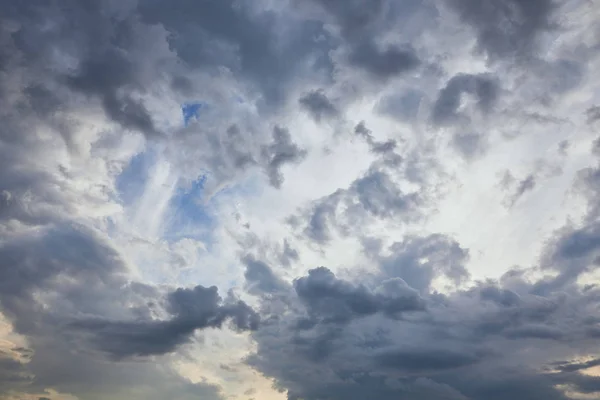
(327, 226)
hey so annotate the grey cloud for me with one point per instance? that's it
(115, 58)
(425, 360)
(378, 195)
(359, 24)
(103, 45)
(318, 105)
(504, 297)
(508, 28)
(383, 63)
(64, 287)
(70, 275)
(192, 309)
(130, 114)
(442, 345)
(524, 186)
(469, 145)
(280, 152)
(362, 130)
(572, 253)
(418, 260)
(478, 332)
(402, 106)
(596, 147)
(241, 38)
(261, 279)
(230, 152)
(333, 300)
(483, 87)
(377, 147)
(321, 216)
(593, 114)
(288, 254)
(373, 195)
(535, 331)
(577, 366)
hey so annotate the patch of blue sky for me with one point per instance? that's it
(132, 180)
(191, 111)
(188, 216)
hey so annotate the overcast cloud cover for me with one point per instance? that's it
(299, 199)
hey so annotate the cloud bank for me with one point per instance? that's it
(299, 199)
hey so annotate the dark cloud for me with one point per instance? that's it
(318, 105)
(469, 145)
(288, 254)
(419, 260)
(378, 195)
(280, 152)
(321, 216)
(572, 253)
(330, 299)
(577, 366)
(504, 297)
(77, 78)
(244, 39)
(479, 333)
(425, 360)
(526, 185)
(383, 63)
(505, 335)
(593, 114)
(260, 277)
(64, 286)
(192, 309)
(360, 24)
(507, 28)
(377, 147)
(375, 195)
(446, 107)
(103, 48)
(403, 106)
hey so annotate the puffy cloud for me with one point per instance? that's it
(508, 28)
(318, 105)
(509, 334)
(280, 152)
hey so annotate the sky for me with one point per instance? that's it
(299, 199)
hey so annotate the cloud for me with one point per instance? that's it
(241, 39)
(312, 235)
(280, 152)
(383, 63)
(374, 195)
(192, 309)
(506, 29)
(334, 300)
(441, 343)
(479, 332)
(64, 279)
(484, 88)
(260, 278)
(318, 105)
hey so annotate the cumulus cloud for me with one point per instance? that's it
(509, 28)
(318, 105)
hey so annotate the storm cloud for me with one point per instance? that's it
(299, 199)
